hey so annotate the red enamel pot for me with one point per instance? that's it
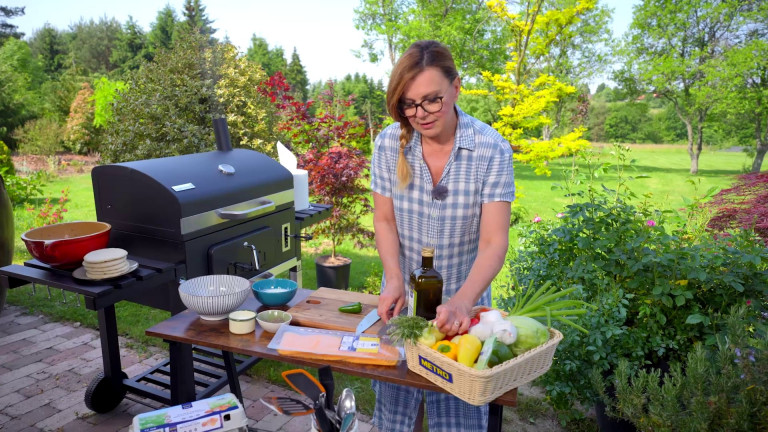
(64, 245)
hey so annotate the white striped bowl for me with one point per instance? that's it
(214, 297)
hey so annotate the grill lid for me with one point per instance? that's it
(181, 197)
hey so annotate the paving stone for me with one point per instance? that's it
(68, 400)
(34, 402)
(19, 384)
(14, 346)
(19, 336)
(11, 399)
(70, 364)
(3, 419)
(9, 357)
(38, 346)
(26, 319)
(66, 380)
(80, 340)
(27, 421)
(298, 424)
(272, 422)
(63, 417)
(67, 354)
(8, 315)
(18, 373)
(31, 358)
(91, 354)
(50, 333)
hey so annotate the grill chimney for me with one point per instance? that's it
(221, 131)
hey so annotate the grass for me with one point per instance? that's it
(666, 166)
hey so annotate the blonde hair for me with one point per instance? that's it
(419, 56)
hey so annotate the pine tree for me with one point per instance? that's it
(131, 47)
(297, 77)
(50, 48)
(162, 31)
(8, 30)
(196, 19)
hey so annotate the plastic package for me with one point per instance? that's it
(336, 345)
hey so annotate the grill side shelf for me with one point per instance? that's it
(97, 294)
(312, 215)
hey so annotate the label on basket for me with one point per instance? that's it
(369, 344)
(435, 369)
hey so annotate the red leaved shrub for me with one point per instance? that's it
(745, 205)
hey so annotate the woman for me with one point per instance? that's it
(444, 179)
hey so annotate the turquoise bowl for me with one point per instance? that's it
(274, 292)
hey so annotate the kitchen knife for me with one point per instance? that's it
(369, 320)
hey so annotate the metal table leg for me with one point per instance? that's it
(495, 417)
(232, 377)
(182, 373)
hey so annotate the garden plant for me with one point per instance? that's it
(658, 287)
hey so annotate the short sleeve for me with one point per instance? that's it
(499, 180)
(383, 165)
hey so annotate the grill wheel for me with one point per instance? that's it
(102, 395)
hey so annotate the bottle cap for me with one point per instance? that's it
(427, 251)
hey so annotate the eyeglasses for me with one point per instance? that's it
(430, 106)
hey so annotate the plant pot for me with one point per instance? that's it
(332, 272)
(6, 234)
(607, 423)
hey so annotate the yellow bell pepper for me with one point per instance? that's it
(469, 349)
(446, 348)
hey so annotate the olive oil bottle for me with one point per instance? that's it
(426, 287)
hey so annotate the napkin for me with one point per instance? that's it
(300, 177)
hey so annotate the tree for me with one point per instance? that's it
(92, 44)
(381, 21)
(161, 34)
(525, 93)
(272, 60)
(746, 100)
(20, 80)
(676, 49)
(297, 77)
(476, 37)
(49, 46)
(8, 30)
(168, 105)
(131, 47)
(578, 53)
(78, 134)
(196, 19)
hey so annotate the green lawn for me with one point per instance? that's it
(667, 167)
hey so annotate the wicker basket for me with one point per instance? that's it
(478, 387)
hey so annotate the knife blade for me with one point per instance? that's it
(369, 320)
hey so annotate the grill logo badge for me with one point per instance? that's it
(435, 369)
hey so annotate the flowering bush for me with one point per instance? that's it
(50, 212)
(658, 290)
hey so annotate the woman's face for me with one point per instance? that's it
(429, 89)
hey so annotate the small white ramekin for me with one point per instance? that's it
(242, 321)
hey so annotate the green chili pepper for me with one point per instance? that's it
(354, 308)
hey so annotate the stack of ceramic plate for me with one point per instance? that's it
(106, 263)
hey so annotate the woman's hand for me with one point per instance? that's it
(393, 293)
(452, 313)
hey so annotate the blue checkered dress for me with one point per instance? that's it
(478, 171)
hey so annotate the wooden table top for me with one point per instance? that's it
(188, 328)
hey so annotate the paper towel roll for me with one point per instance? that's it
(301, 189)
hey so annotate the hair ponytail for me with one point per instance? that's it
(403, 167)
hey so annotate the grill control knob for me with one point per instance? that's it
(226, 169)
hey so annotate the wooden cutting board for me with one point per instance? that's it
(321, 310)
